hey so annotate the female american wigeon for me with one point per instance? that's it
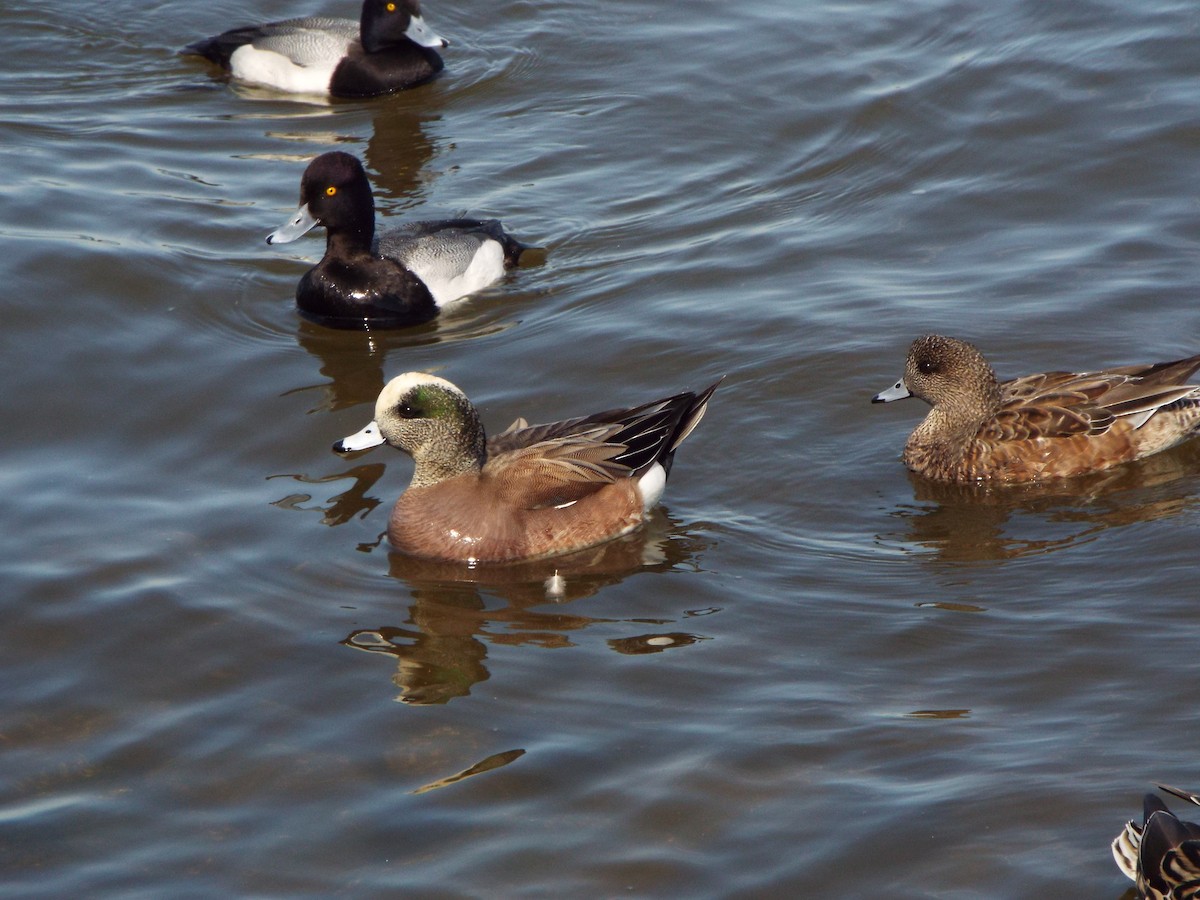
(388, 49)
(532, 491)
(1041, 426)
(405, 276)
(1162, 855)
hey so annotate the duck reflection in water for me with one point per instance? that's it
(353, 361)
(441, 648)
(978, 523)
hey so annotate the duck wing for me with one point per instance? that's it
(557, 471)
(309, 41)
(443, 250)
(1064, 404)
(648, 433)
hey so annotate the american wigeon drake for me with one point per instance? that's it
(402, 278)
(1162, 855)
(1051, 425)
(390, 48)
(530, 492)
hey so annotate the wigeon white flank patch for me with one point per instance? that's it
(652, 484)
(275, 70)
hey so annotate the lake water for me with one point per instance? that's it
(812, 676)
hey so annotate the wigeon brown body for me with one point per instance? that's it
(1162, 855)
(532, 491)
(1051, 425)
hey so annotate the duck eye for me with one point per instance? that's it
(391, 7)
(330, 191)
(926, 367)
(408, 411)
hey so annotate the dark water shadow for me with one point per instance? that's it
(974, 523)
(440, 647)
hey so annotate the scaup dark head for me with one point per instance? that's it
(334, 192)
(385, 23)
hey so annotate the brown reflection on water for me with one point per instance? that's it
(399, 152)
(441, 647)
(354, 361)
(654, 643)
(495, 761)
(939, 714)
(975, 523)
(343, 507)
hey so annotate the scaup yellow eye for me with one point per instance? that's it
(391, 7)
(330, 191)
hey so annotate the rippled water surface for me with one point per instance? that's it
(812, 675)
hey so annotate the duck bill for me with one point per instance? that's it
(420, 33)
(299, 225)
(362, 440)
(897, 391)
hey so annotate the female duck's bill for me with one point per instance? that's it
(897, 391)
(530, 491)
(390, 48)
(406, 275)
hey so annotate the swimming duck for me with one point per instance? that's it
(1050, 425)
(403, 278)
(532, 491)
(1162, 855)
(390, 48)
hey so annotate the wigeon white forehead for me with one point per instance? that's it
(396, 389)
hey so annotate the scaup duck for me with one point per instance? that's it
(1051, 425)
(390, 48)
(405, 276)
(532, 491)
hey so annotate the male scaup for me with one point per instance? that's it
(531, 491)
(389, 49)
(1050, 425)
(405, 276)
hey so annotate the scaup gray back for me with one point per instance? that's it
(390, 48)
(401, 279)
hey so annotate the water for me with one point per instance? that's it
(812, 676)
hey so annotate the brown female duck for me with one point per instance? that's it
(1051, 425)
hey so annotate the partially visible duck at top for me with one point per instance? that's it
(1051, 425)
(390, 48)
(403, 277)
